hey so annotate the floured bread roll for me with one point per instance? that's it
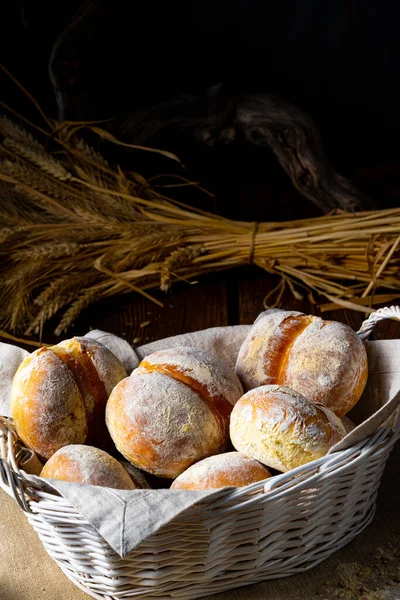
(173, 410)
(86, 464)
(222, 470)
(282, 429)
(59, 395)
(324, 360)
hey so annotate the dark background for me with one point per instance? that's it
(338, 60)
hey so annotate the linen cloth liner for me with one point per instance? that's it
(126, 518)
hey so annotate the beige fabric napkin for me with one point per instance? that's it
(127, 518)
(10, 359)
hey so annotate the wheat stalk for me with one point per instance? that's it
(75, 309)
(96, 232)
(13, 131)
(39, 157)
(50, 250)
(175, 261)
(95, 156)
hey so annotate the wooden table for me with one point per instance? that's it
(226, 298)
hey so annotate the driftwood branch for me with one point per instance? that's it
(264, 120)
(215, 116)
(268, 120)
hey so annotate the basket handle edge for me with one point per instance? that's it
(387, 312)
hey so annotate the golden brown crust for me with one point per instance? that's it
(95, 368)
(89, 465)
(282, 429)
(276, 358)
(108, 367)
(324, 360)
(222, 470)
(59, 397)
(126, 432)
(218, 403)
(82, 369)
(88, 360)
(328, 363)
(46, 404)
(161, 425)
(262, 354)
(212, 380)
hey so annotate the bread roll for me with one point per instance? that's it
(173, 410)
(228, 469)
(324, 360)
(59, 395)
(282, 429)
(86, 464)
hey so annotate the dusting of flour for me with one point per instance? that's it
(281, 428)
(161, 424)
(253, 365)
(89, 465)
(227, 469)
(46, 404)
(203, 367)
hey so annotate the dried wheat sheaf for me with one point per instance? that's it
(74, 230)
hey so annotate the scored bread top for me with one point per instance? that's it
(109, 368)
(214, 381)
(96, 369)
(264, 350)
(282, 429)
(60, 392)
(161, 425)
(324, 360)
(84, 372)
(46, 404)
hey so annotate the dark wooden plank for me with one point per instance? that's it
(254, 287)
(227, 298)
(139, 320)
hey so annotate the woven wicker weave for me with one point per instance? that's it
(245, 535)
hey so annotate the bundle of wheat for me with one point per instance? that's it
(75, 230)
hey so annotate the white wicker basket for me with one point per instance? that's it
(242, 537)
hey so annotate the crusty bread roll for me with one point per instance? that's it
(324, 360)
(59, 395)
(228, 469)
(86, 464)
(173, 410)
(282, 429)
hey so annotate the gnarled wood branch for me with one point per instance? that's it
(268, 120)
(213, 116)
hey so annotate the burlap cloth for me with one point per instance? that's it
(27, 572)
